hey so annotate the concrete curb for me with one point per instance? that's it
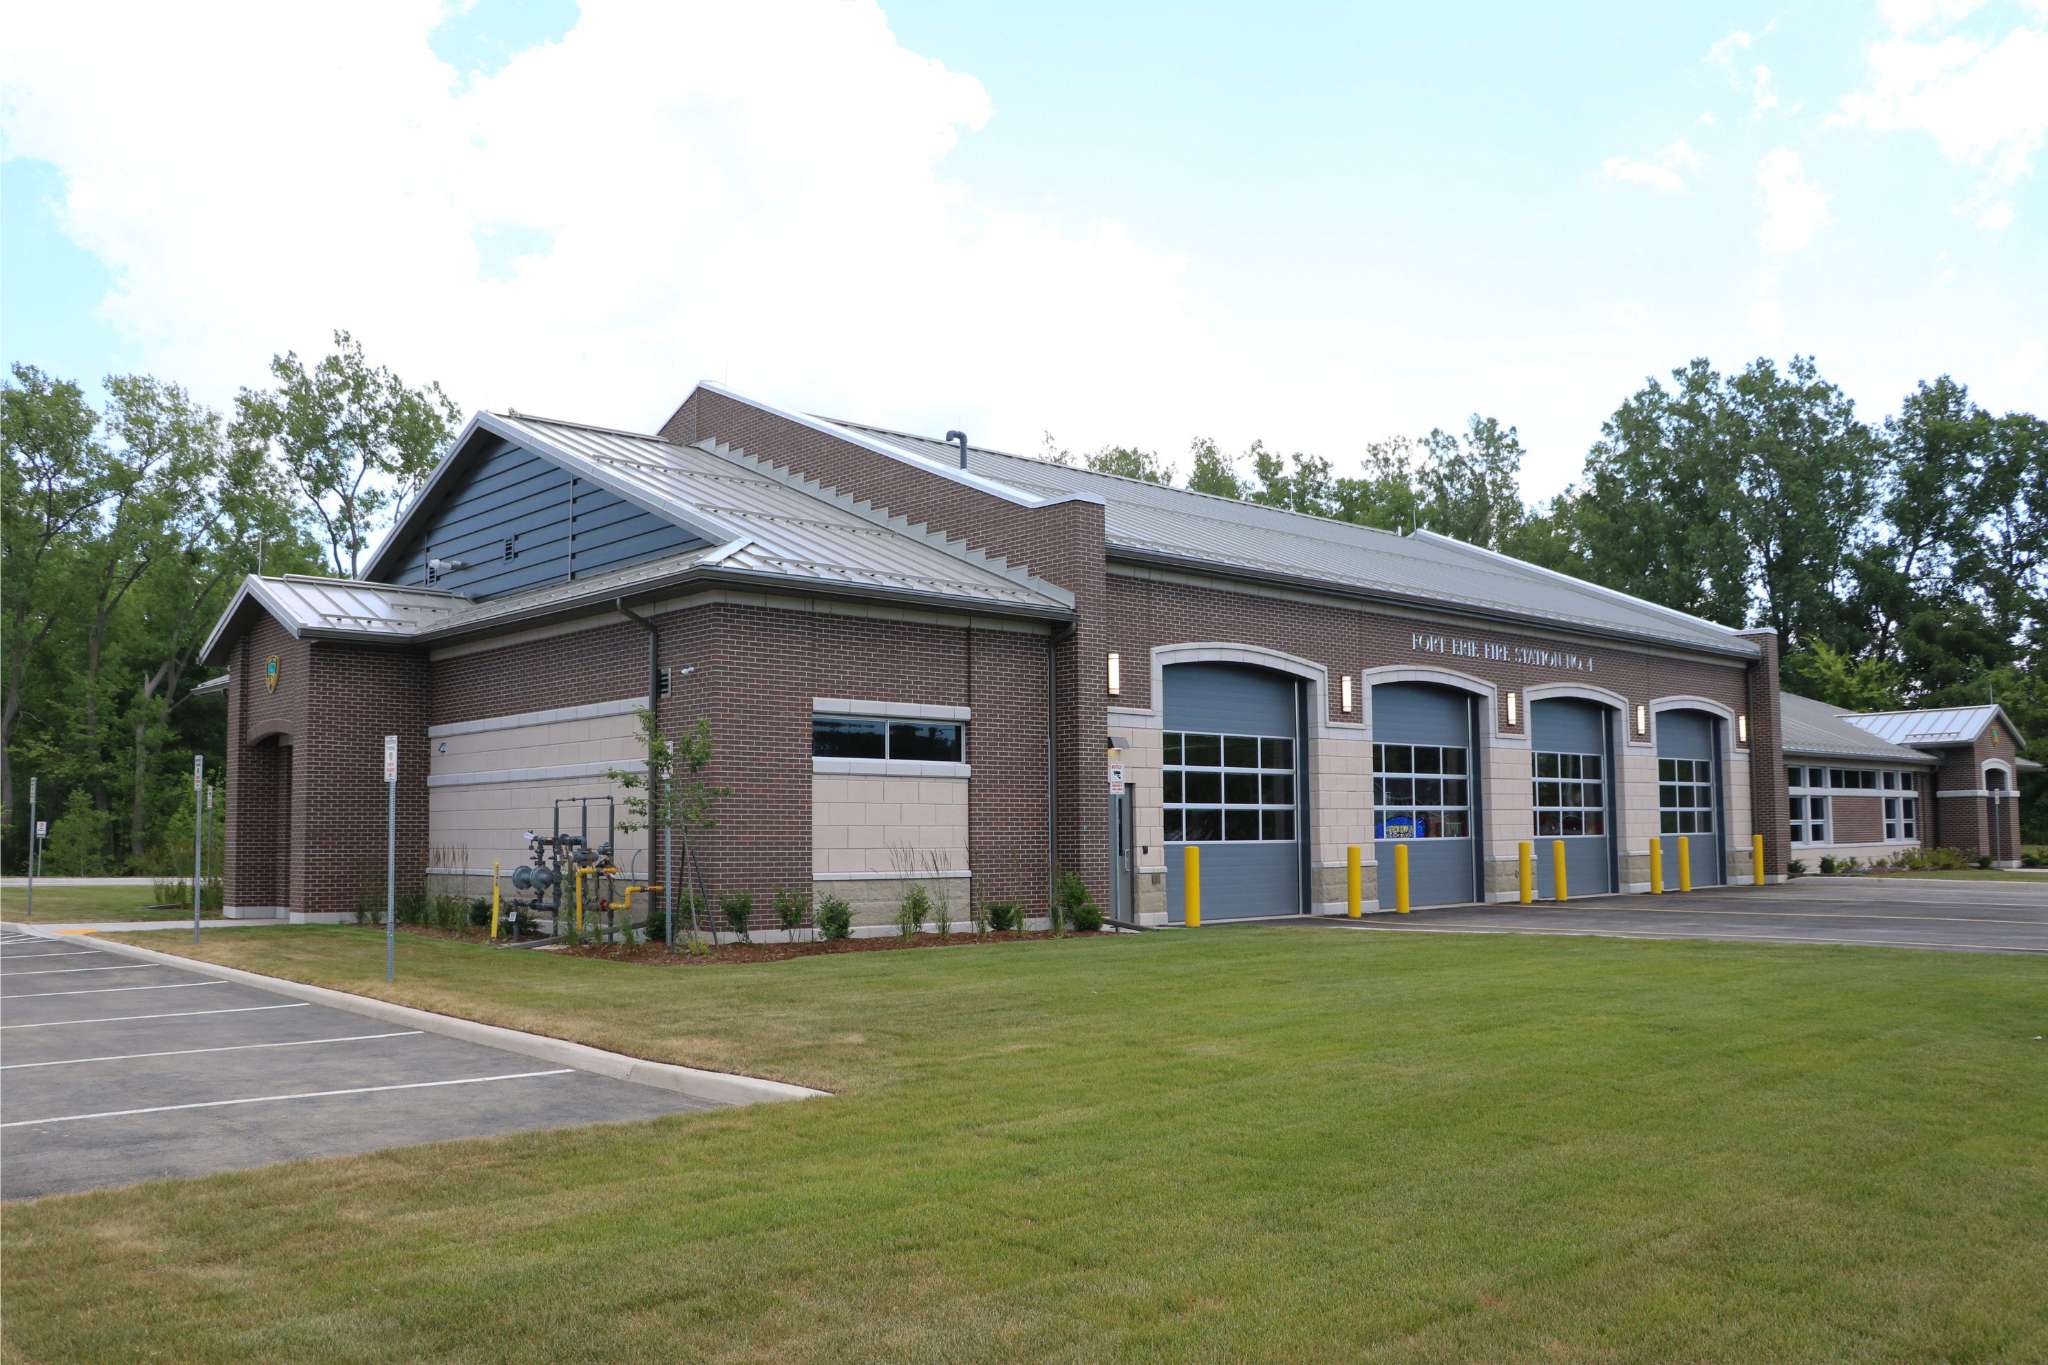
(714, 1087)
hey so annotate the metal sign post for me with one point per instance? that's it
(198, 837)
(391, 858)
(30, 911)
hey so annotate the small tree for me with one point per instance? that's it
(656, 800)
(78, 838)
(791, 908)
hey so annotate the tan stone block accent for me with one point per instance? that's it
(863, 823)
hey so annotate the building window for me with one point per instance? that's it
(1902, 812)
(924, 741)
(1685, 796)
(1809, 819)
(1420, 791)
(1571, 794)
(1852, 779)
(1227, 788)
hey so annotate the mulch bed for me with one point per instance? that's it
(728, 952)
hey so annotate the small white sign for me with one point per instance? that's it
(391, 758)
(198, 771)
(1116, 779)
(42, 829)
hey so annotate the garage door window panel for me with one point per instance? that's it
(1419, 791)
(1685, 796)
(1228, 788)
(1571, 795)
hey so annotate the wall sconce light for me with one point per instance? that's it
(1347, 694)
(1116, 675)
(1642, 720)
(1742, 727)
(1514, 705)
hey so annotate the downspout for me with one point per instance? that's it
(668, 834)
(1052, 766)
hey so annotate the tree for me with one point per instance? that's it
(1298, 482)
(1125, 462)
(352, 441)
(1385, 494)
(54, 481)
(77, 845)
(1473, 483)
(657, 801)
(1212, 471)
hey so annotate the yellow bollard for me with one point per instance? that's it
(1656, 867)
(494, 900)
(1684, 864)
(1527, 852)
(1191, 864)
(1354, 883)
(1563, 886)
(1756, 857)
(1401, 878)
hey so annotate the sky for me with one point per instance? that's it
(1315, 225)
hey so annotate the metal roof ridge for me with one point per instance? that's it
(514, 414)
(1140, 483)
(827, 427)
(866, 511)
(669, 509)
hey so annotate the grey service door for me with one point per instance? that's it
(1232, 785)
(1424, 792)
(1573, 766)
(1689, 794)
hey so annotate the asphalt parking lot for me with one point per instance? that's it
(114, 1071)
(1887, 912)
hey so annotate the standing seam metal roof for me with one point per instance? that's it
(1154, 519)
(1942, 725)
(1815, 728)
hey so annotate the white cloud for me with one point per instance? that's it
(1794, 208)
(1762, 97)
(1984, 100)
(1755, 79)
(1723, 51)
(1907, 16)
(1996, 216)
(666, 193)
(1665, 171)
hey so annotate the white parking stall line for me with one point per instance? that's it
(273, 1099)
(232, 1047)
(61, 971)
(109, 990)
(173, 1014)
(6, 956)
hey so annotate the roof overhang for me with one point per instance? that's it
(1852, 756)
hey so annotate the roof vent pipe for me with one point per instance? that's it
(959, 438)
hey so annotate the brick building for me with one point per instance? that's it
(924, 661)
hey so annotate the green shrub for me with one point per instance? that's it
(791, 908)
(480, 912)
(914, 909)
(738, 907)
(1796, 868)
(835, 918)
(1983, 860)
(1002, 916)
(1828, 865)
(977, 917)
(1071, 905)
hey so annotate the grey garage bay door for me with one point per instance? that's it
(1231, 784)
(1689, 793)
(1574, 794)
(1423, 791)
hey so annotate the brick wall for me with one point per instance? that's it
(1770, 804)
(1147, 612)
(262, 726)
(1855, 819)
(360, 694)
(1062, 543)
(756, 670)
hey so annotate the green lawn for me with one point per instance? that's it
(1245, 1143)
(60, 904)
(1972, 874)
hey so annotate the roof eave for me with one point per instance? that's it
(1852, 756)
(1136, 554)
(712, 574)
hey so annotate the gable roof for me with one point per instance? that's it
(1818, 730)
(1147, 521)
(1936, 726)
(766, 528)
